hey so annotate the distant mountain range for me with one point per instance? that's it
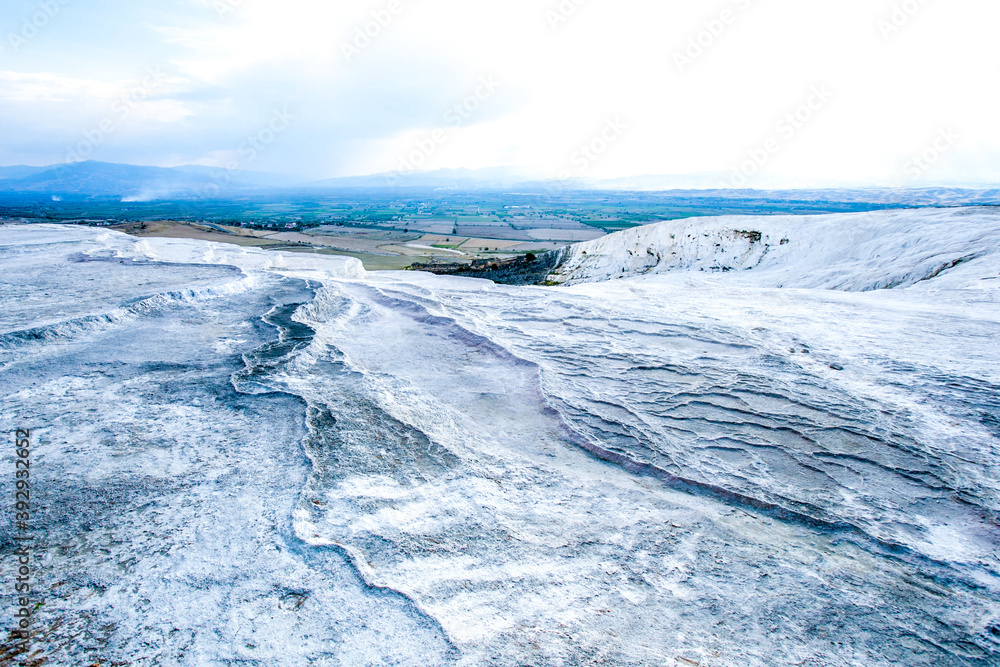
(491, 178)
(141, 183)
(105, 179)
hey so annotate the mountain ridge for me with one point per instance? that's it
(856, 252)
(146, 183)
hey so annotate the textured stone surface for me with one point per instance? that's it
(242, 458)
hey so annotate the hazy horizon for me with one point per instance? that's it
(510, 175)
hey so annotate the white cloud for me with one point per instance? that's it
(33, 88)
(561, 82)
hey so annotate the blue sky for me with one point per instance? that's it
(748, 92)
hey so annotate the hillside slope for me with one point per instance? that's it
(852, 251)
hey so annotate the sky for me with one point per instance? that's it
(738, 93)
